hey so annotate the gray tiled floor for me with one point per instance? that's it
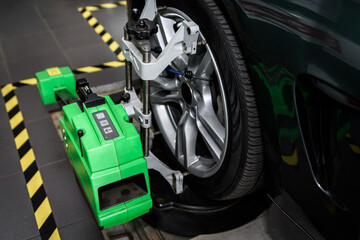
(17, 215)
(26, 68)
(45, 142)
(38, 34)
(88, 55)
(66, 199)
(4, 78)
(29, 46)
(29, 97)
(84, 230)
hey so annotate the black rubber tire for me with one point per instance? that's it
(243, 163)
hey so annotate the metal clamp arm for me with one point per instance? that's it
(184, 41)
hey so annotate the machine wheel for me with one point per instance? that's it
(210, 123)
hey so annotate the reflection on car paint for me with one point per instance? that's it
(305, 28)
(278, 80)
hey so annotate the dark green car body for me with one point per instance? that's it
(304, 59)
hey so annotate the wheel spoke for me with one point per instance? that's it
(166, 31)
(162, 97)
(206, 67)
(212, 130)
(164, 84)
(186, 140)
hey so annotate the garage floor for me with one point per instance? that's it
(40, 198)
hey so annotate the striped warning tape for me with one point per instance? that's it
(88, 69)
(43, 214)
(100, 30)
(100, 67)
(105, 6)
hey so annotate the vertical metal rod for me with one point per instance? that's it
(146, 102)
(128, 75)
(145, 131)
(128, 66)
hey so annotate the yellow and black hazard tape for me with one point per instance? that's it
(105, 6)
(100, 67)
(42, 210)
(100, 30)
(88, 69)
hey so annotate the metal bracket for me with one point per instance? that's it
(190, 39)
(174, 178)
(184, 41)
(143, 119)
(133, 108)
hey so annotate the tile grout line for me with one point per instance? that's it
(52, 34)
(5, 63)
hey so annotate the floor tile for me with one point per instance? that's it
(27, 47)
(75, 37)
(2, 58)
(64, 19)
(30, 103)
(50, 7)
(9, 159)
(89, 55)
(16, 214)
(84, 230)
(45, 142)
(4, 77)
(35, 238)
(26, 68)
(68, 204)
(16, 25)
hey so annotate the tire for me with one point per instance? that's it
(239, 169)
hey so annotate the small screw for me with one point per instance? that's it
(146, 48)
(201, 43)
(66, 145)
(162, 8)
(142, 24)
(63, 130)
(65, 138)
(125, 97)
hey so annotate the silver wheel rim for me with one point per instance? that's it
(192, 114)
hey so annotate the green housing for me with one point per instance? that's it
(55, 79)
(105, 161)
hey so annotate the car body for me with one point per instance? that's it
(304, 56)
(304, 60)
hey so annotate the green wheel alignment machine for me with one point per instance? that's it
(104, 148)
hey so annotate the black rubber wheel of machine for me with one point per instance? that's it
(241, 170)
